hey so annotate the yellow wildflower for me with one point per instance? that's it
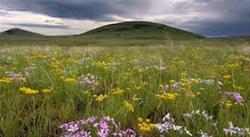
(135, 98)
(190, 93)
(117, 91)
(235, 65)
(226, 77)
(102, 65)
(228, 104)
(171, 81)
(140, 119)
(161, 86)
(70, 80)
(5, 81)
(100, 98)
(141, 70)
(167, 96)
(145, 125)
(128, 106)
(198, 93)
(28, 91)
(47, 90)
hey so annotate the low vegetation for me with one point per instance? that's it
(168, 90)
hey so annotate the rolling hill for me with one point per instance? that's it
(16, 32)
(125, 33)
(140, 30)
(124, 30)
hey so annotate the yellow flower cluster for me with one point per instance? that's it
(117, 91)
(235, 65)
(167, 96)
(102, 65)
(135, 98)
(227, 77)
(5, 80)
(145, 125)
(37, 55)
(28, 91)
(129, 107)
(47, 90)
(56, 65)
(100, 97)
(70, 81)
(228, 103)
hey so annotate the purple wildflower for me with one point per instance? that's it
(168, 124)
(235, 96)
(126, 133)
(203, 134)
(105, 127)
(236, 131)
(177, 85)
(203, 114)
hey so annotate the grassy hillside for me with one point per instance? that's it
(123, 34)
(19, 33)
(140, 30)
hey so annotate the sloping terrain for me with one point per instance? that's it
(16, 32)
(141, 30)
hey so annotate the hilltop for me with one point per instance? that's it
(16, 32)
(140, 30)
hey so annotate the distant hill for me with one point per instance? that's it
(16, 32)
(140, 30)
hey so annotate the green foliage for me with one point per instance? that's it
(139, 71)
(140, 30)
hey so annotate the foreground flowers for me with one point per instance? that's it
(28, 91)
(100, 98)
(236, 131)
(105, 127)
(167, 96)
(70, 81)
(129, 107)
(145, 126)
(168, 124)
(5, 81)
(236, 97)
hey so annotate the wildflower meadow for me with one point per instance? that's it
(137, 91)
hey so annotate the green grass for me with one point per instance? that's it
(139, 70)
(15, 32)
(140, 30)
(122, 34)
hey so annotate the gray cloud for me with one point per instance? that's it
(76, 9)
(39, 25)
(216, 17)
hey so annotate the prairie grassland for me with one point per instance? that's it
(199, 90)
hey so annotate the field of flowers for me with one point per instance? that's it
(125, 91)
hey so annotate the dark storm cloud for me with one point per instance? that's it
(76, 9)
(234, 19)
(221, 17)
(39, 25)
(214, 28)
(224, 29)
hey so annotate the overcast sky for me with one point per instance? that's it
(63, 17)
